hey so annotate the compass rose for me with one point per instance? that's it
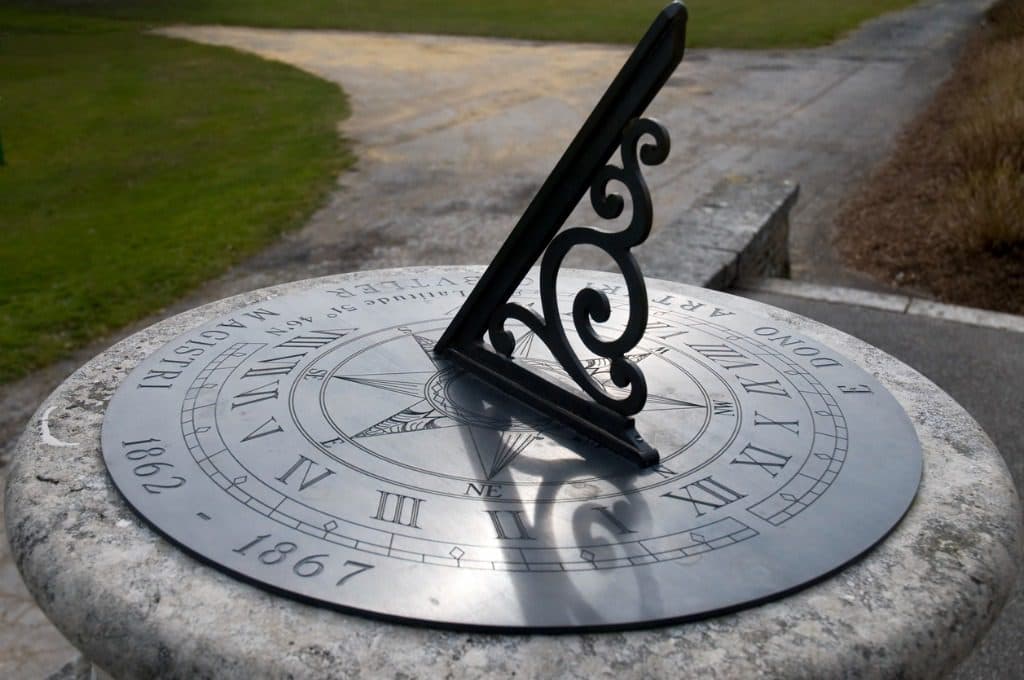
(438, 394)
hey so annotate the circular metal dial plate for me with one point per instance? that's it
(314, 444)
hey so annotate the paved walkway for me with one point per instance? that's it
(454, 135)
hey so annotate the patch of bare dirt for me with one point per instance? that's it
(944, 216)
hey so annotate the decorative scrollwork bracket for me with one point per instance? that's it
(615, 123)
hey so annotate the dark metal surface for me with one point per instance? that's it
(316, 445)
(614, 122)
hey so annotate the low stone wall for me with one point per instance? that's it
(739, 230)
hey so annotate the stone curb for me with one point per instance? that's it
(738, 230)
(901, 304)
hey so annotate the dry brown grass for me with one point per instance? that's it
(945, 214)
(987, 149)
(1006, 20)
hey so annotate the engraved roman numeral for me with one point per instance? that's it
(313, 340)
(274, 366)
(255, 395)
(662, 471)
(705, 493)
(270, 426)
(770, 387)
(398, 509)
(789, 425)
(724, 408)
(509, 525)
(724, 355)
(306, 465)
(769, 461)
(620, 528)
(668, 330)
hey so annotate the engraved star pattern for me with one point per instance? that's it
(497, 437)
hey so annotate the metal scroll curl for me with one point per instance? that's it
(590, 305)
(603, 413)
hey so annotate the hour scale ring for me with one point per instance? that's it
(315, 444)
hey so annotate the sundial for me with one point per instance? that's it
(523, 447)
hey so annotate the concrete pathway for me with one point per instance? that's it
(454, 135)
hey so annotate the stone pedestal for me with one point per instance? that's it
(136, 606)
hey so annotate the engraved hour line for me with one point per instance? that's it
(769, 461)
(307, 466)
(705, 492)
(509, 525)
(394, 508)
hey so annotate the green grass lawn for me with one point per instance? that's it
(713, 23)
(138, 167)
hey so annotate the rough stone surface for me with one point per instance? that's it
(913, 607)
(30, 647)
(738, 230)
